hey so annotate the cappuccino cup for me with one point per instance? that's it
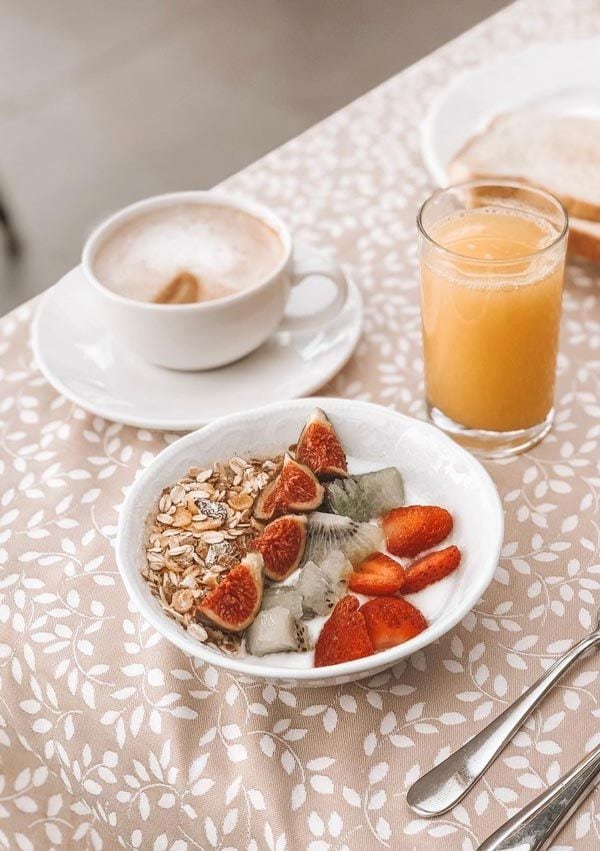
(196, 280)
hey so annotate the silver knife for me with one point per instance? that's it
(445, 785)
(536, 825)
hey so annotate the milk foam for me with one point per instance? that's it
(226, 249)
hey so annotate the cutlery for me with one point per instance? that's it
(535, 826)
(445, 785)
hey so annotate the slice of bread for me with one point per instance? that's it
(584, 238)
(559, 153)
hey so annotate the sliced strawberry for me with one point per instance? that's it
(431, 568)
(377, 576)
(391, 621)
(414, 528)
(344, 636)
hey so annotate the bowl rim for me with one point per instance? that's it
(173, 633)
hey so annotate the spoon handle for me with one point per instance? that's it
(445, 785)
(534, 827)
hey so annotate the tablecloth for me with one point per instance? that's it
(111, 738)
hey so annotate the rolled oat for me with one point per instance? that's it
(201, 528)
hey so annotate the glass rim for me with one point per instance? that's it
(512, 184)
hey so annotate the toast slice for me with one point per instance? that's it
(560, 153)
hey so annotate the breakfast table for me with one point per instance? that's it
(110, 737)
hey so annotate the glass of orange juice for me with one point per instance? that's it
(492, 267)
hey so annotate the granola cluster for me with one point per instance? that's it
(199, 530)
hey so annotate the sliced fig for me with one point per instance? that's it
(320, 449)
(296, 488)
(281, 545)
(275, 630)
(302, 489)
(235, 602)
(269, 503)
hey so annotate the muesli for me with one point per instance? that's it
(200, 529)
(246, 553)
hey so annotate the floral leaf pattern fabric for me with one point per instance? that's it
(111, 738)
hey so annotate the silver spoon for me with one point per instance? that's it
(445, 785)
(536, 825)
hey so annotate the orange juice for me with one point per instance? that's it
(490, 328)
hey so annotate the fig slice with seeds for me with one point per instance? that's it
(281, 545)
(320, 449)
(301, 487)
(235, 602)
(269, 503)
(296, 488)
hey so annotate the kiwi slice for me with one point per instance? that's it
(319, 594)
(327, 532)
(366, 496)
(336, 566)
(322, 585)
(275, 630)
(286, 596)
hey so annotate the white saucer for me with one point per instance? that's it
(561, 78)
(81, 359)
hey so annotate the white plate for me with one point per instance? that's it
(559, 78)
(435, 469)
(82, 360)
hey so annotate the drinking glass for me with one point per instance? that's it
(492, 259)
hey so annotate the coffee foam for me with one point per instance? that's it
(226, 249)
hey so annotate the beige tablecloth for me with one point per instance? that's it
(112, 738)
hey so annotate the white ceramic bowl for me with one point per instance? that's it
(435, 469)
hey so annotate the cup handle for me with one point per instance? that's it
(306, 265)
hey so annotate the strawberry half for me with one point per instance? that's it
(344, 636)
(431, 568)
(391, 621)
(414, 528)
(377, 576)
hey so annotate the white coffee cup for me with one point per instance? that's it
(208, 334)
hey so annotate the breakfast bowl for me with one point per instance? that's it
(435, 472)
